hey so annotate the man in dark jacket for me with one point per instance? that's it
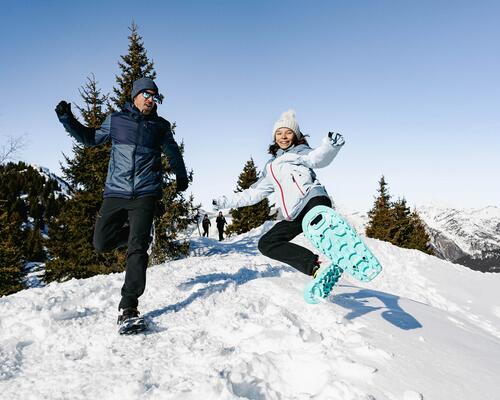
(206, 224)
(220, 221)
(134, 180)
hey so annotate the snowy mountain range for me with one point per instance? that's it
(470, 237)
(467, 237)
(228, 323)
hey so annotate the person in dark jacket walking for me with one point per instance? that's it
(205, 224)
(134, 180)
(220, 221)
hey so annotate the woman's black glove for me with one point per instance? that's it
(63, 108)
(337, 140)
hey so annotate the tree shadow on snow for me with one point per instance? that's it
(209, 247)
(217, 282)
(359, 305)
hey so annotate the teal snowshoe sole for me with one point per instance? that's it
(333, 236)
(321, 286)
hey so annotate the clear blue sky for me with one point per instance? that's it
(413, 86)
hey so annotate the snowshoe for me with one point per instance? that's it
(333, 236)
(130, 322)
(322, 284)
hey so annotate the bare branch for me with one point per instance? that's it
(10, 150)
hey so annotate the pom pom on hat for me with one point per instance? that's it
(287, 120)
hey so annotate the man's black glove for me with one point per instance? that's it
(63, 108)
(182, 183)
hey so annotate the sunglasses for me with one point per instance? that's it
(156, 98)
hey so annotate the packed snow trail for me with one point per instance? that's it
(228, 323)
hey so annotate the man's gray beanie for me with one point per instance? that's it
(142, 84)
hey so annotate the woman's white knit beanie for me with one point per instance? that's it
(287, 120)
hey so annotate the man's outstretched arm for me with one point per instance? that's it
(82, 134)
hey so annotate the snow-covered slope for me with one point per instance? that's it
(228, 323)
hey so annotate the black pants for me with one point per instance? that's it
(205, 231)
(221, 233)
(110, 233)
(276, 244)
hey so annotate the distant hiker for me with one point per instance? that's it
(134, 181)
(205, 224)
(289, 174)
(220, 221)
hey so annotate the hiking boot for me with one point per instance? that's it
(127, 314)
(130, 322)
(316, 267)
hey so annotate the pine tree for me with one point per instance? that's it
(395, 223)
(179, 211)
(134, 65)
(11, 274)
(88, 169)
(28, 200)
(246, 218)
(381, 216)
(419, 238)
(401, 230)
(175, 214)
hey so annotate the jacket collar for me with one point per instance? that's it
(136, 114)
(280, 152)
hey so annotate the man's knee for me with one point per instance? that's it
(101, 247)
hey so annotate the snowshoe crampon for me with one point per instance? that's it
(322, 284)
(131, 323)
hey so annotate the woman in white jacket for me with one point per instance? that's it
(290, 175)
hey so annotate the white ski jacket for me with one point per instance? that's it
(290, 176)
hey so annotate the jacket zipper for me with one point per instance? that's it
(296, 184)
(281, 190)
(133, 160)
(133, 173)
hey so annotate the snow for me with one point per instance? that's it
(229, 323)
(65, 188)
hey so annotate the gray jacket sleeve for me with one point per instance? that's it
(85, 135)
(255, 193)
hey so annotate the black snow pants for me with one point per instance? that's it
(205, 230)
(111, 231)
(221, 232)
(276, 244)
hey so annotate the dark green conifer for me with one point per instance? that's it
(246, 218)
(29, 205)
(134, 65)
(419, 238)
(401, 230)
(381, 217)
(11, 274)
(395, 223)
(175, 213)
